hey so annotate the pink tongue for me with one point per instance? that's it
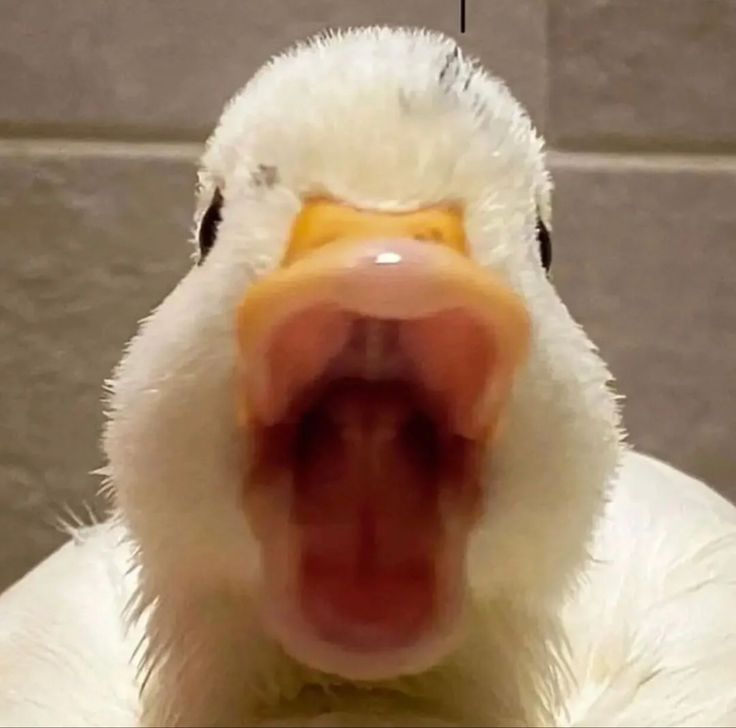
(366, 509)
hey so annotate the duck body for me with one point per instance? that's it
(651, 629)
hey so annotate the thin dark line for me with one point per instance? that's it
(462, 16)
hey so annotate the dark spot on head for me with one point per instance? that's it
(265, 175)
(451, 63)
(456, 75)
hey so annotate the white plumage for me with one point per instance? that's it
(597, 595)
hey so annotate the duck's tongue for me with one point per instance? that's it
(367, 512)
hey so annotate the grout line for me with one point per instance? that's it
(191, 151)
(642, 161)
(611, 144)
(102, 132)
(188, 151)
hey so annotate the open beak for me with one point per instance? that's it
(375, 365)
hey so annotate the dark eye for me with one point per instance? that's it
(208, 227)
(545, 244)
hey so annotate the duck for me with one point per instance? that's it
(364, 466)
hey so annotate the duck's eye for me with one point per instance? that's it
(545, 244)
(208, 227)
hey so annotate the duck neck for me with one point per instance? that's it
(208, 663)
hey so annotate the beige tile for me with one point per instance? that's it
(90, 243)
(163, 68)
(642, 73)
(645, 259)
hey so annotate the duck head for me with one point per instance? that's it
(364, 415)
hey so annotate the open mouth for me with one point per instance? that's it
(373, 459)
(370, 394)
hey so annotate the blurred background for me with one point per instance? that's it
(103, 109)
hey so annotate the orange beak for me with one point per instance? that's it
(464, 329)
(375, 363)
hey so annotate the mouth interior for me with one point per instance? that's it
(379, 482)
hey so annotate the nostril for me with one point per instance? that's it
(432, 235)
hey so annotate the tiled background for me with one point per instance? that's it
(103, 106)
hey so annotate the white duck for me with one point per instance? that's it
(366, 467)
